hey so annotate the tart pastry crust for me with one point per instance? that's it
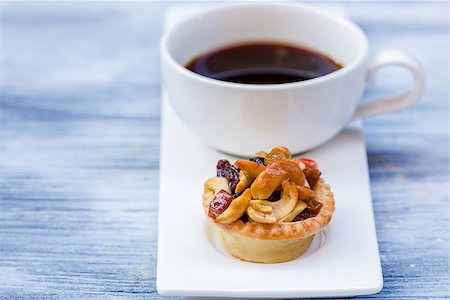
(263, 251)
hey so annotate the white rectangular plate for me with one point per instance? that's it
(191, 262)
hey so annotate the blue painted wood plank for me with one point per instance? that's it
(79, 148)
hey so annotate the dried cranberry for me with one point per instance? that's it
(244, 218)
(259, 160)
(312, 210)
(313, 205)
(219, 204)
(222, 165)
(276, 195)
(305, 214)
(230, 172)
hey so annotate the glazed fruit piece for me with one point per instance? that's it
(219, 204)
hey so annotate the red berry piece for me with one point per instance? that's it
(219, 204)
(311, 211)
(309, 163)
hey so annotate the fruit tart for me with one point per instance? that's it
(268, 208)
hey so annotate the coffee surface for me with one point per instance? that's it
(263, 63)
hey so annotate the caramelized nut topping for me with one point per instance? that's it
(268, 188)
(272, 177)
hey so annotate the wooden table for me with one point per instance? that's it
(80, 136)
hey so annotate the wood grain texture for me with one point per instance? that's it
(79, 149)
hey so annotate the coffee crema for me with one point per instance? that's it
(263, 63)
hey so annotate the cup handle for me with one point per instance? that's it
(393, 58)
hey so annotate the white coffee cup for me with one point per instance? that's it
(241, 118)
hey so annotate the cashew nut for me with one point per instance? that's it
(236, 209)
(304, 193)
(277, 153)
(260, 206)
(244, 181)
(281, 152)
(247, 174)
(273, 175)
(251, 167)
(300, 164)
(260, 213)
(286, 204)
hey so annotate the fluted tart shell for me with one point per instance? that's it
(278, 242)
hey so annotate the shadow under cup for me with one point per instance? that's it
(245, 118)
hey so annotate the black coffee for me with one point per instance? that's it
(263, 63)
